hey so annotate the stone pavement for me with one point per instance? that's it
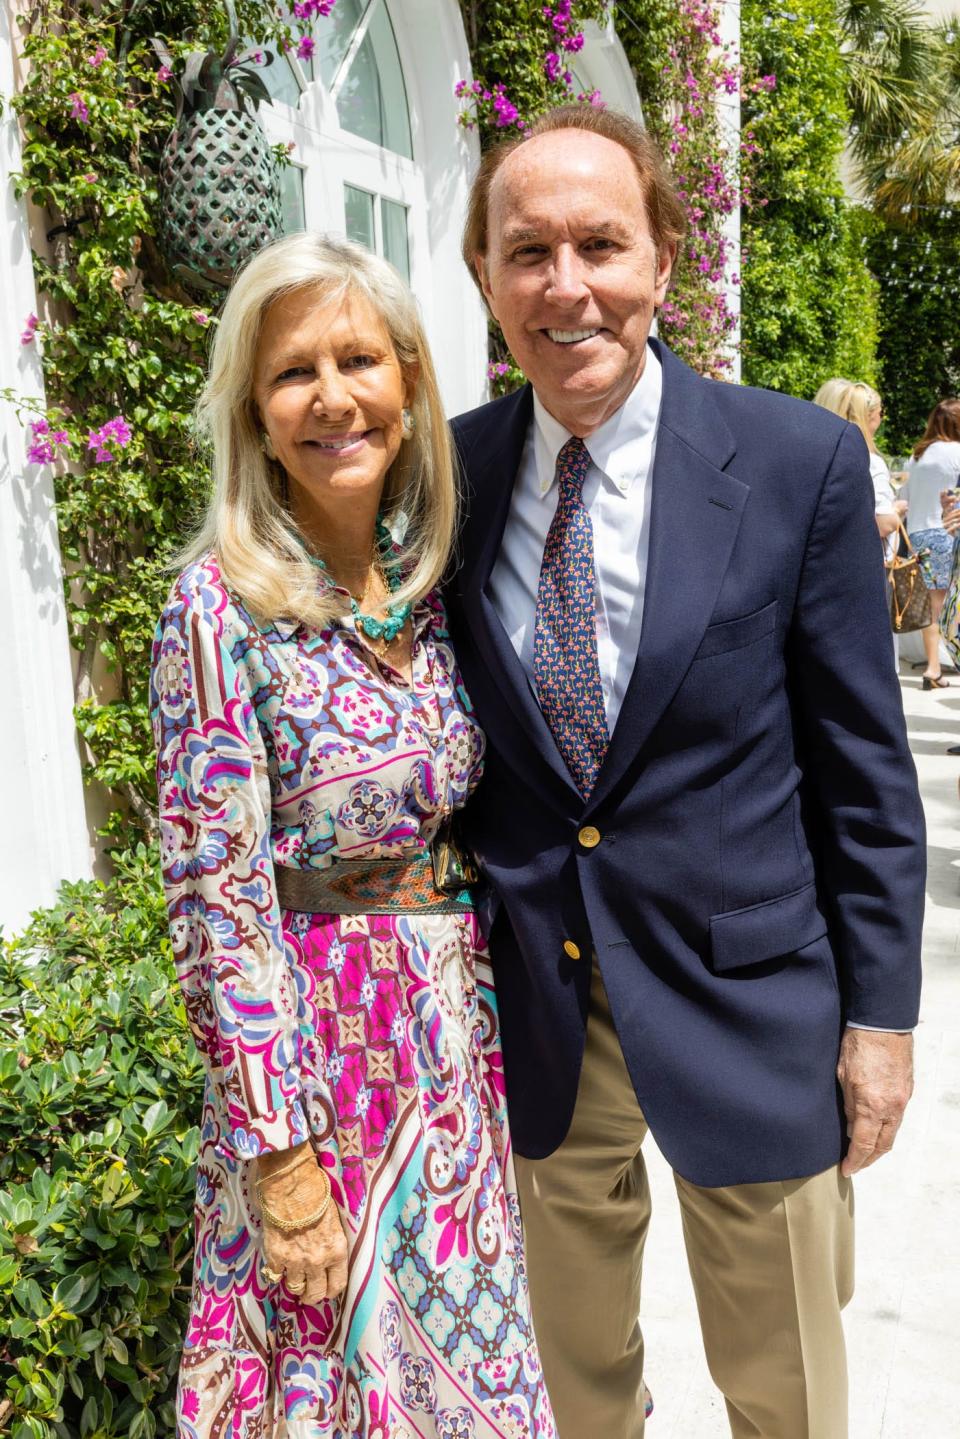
(903, 1326)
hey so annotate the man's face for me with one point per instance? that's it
(572, 272)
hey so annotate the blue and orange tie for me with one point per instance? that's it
(566, 669)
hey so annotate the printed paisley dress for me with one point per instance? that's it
(374, 1037)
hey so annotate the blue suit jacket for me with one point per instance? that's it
(760, 871)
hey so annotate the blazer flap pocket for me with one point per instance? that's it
(765, 931)
(734, 634)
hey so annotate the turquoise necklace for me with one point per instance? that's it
(385, 631)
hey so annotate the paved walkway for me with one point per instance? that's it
(904, 1323)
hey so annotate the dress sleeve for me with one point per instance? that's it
(225, 923)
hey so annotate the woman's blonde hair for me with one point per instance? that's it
(263, 555)
(852, 400)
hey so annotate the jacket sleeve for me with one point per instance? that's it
(860, 784)
(225, 924)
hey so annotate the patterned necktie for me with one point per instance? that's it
(566, 669)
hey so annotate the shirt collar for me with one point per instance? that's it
(618, 446)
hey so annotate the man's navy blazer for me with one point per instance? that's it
(760, 871)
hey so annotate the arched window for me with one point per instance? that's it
(369, 115)
(354, 79)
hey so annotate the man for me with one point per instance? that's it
(699, 812)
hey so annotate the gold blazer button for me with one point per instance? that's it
(571, 950)
(589, 837)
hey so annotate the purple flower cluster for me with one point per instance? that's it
(495, 101)
(560, 20)
(30, 330)
(78, 108)
(313, 9)
(43, 449)
(305, 47)
(98, 57)
(497, 370)
(115, 432)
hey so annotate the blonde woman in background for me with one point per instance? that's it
(358, 1264)
(860, 404)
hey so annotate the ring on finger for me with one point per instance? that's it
(297, 1288)
(271, 1275)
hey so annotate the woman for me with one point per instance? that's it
(858, 403)
(934, 467)
(358, 1264)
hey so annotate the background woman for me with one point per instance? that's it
(934, 467)
(313, 741)
(855, 401)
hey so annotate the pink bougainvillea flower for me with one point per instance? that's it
(97, 58)
(90, 177)
(201, 317)
(78, 108)
(43, 448)
(30, 330)
(305, 47)
(115, 432)
(164, 73)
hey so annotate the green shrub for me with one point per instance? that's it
(100, 1092)
(809, 303)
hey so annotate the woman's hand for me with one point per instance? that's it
(950, 511)
(312, 1261)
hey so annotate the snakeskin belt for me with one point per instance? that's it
(408, 885)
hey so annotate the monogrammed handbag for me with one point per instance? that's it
(909, 597)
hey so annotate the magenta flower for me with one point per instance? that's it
(43, 449)
(78, 108)
(28, 335)
(164, 73)
(97, 58)
(552, 65)
(305, 47)
(90, 177)
(115, 432)
(201, 317)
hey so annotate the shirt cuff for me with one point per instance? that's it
(878, 1028)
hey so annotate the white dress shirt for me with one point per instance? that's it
(616, 493)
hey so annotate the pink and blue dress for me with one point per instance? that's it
(372, 1036)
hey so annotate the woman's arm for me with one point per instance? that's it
(214, 798)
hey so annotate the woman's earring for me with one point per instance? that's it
(409, 422)
(266, 444)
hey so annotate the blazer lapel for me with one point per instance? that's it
(695, 516)
(490, 478)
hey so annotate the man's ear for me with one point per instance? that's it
(480, 265)
(666, 259)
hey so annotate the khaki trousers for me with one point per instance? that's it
(772, 1266)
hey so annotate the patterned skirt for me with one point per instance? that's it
(937, 562)
(403, 1081)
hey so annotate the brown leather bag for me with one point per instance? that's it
(909, 597)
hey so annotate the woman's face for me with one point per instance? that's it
(875, 418)
(330, 394)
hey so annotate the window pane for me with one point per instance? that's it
(359, 214)
(291, 199)
(396, 247)
(333, 34)
(373, 100)
(278, 76)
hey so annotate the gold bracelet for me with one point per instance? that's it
(306, 1153)
(289, 1226)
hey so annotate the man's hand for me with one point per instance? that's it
(875, 1071)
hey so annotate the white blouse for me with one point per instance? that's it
(938, 468)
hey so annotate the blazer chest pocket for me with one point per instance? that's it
(742, 937)
(736, 634)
